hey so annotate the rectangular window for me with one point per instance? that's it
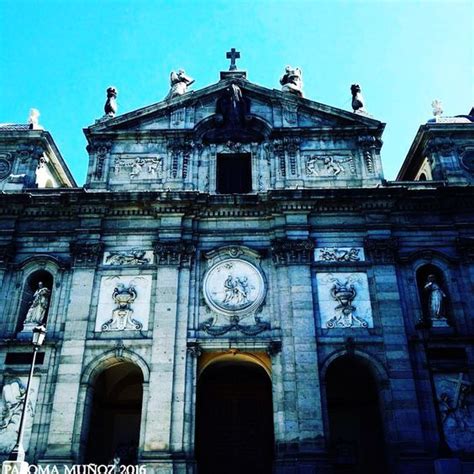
(234, 173)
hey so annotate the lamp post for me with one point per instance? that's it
(18, 451)
(443, 448)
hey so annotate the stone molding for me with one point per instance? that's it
(292, 251)
(384, 250)
(194, 349)
(101, 150)
(7, 252)
(465, 248)
(173, 253)
(86, 254)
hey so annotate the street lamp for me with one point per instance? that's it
(424, 327)
(18, 452)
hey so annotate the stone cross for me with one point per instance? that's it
(459, 382)
(233, 55)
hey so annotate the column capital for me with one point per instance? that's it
(292, 251)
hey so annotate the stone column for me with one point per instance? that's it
(60, 447)
(7, 251)
(403, 414)
(301, 435)
(165, 412)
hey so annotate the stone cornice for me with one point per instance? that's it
(75, 203)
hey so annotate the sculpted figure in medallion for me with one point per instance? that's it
(39, 305)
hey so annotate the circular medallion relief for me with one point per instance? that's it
(234, 287)
(468, 160)
(4, 168)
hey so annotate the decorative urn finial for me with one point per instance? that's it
(110, 107)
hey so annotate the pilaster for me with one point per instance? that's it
(65, 403)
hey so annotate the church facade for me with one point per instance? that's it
(238, 288)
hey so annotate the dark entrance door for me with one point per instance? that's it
(234, 429)
(114, 421)
(355, 424)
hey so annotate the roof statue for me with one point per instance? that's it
(110, 107)
(437, 108)
(33, 120)
(357, 100)
(179, 83)
(292, 81)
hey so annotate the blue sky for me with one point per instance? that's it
(60, 56)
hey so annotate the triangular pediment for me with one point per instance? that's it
(277, 109)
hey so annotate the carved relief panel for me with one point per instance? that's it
(11, 406)
(329, 165)
(344, 300)
(455, 398)
(124, 303)
(137, 167)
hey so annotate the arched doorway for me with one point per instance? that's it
(234, 426)
(115, 415)
(355, 423)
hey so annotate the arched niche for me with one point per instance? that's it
(35, 299)
(234, 416)
(433, 293)
(113, 414)
(356, 441)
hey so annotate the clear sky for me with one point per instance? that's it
(60, 56)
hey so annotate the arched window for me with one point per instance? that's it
(35, 300)
(433, 296)
(422, 177)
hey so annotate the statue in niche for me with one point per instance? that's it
(39, 305)
(357, 100)
(179, 83)
(232, 109)
(292, 81)
(122, 314)
(110, 107)
(436, 299)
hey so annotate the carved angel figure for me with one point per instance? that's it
(292, 81)
(39, 305)
(179, 83)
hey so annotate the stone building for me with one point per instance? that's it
(237, 288)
